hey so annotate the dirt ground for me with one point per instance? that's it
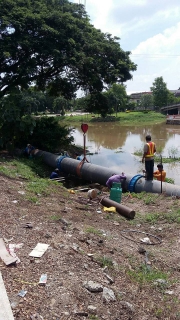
(94, 270)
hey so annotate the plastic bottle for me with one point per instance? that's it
(116, 192)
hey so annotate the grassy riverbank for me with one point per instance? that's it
(124, 118)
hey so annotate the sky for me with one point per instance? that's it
(150, 30)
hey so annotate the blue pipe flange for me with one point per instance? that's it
(132, 183)
(59, 160)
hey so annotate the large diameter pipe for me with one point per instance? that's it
(123, 210)
(96, 173)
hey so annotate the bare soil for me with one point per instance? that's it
(86, 245)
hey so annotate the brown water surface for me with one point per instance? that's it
(113, 145)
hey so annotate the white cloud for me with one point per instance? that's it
(150, 29)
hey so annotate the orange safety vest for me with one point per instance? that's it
(151, 148)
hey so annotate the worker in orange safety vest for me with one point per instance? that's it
(148, 156)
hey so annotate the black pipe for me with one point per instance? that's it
(95, 173)
(123, 210)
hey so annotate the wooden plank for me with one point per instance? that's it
(5, 308)
(5, 255)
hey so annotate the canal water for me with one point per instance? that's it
(112, 145)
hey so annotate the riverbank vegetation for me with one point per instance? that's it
(124, 118)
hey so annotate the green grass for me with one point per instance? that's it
(147, 198)
(25, 168)
(105, 262)
(31, 170)
(125, 118)
(55, 218)
(39, 186)
(142, 274)
(151, 217)
(170, 217)
(93, 230)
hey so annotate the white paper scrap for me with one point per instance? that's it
(39, 250)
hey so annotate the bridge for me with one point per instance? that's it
(173, 113)
(172, 109)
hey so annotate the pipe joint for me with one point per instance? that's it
(59, 160)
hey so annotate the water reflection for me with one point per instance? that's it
(113, 145)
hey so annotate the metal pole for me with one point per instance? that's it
(161, 172)
(84, 145)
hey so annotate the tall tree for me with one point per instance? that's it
(53, 45)
(119, 96)
(146, 101)
(160, 93)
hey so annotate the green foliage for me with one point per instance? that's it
(160, 93)
(50, 46)
(171, 99)
(98, 103)
(42, 43)
(108, 102)
(49, 135)
(169, 180)
(146, 101)
(59, 105)
(16, 120)
(173, 152)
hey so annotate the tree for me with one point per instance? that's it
(160, 93)
(118, 96)
(52, 44)
(98, 103)
(146, 101)
(59, 105)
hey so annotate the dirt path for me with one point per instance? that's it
(94, 271)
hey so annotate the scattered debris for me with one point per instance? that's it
(92, 194)
(28, 225)
(161, 282)
(22, 293)
(81, 313)
(110, 279)
(170, 292)
(43, 279)
(21, 192)
(110, 209)
(12, 250)
(71, 191)
(39, 250)
(5, 255)
(36, 316)
(92, 309)
(146, 240)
